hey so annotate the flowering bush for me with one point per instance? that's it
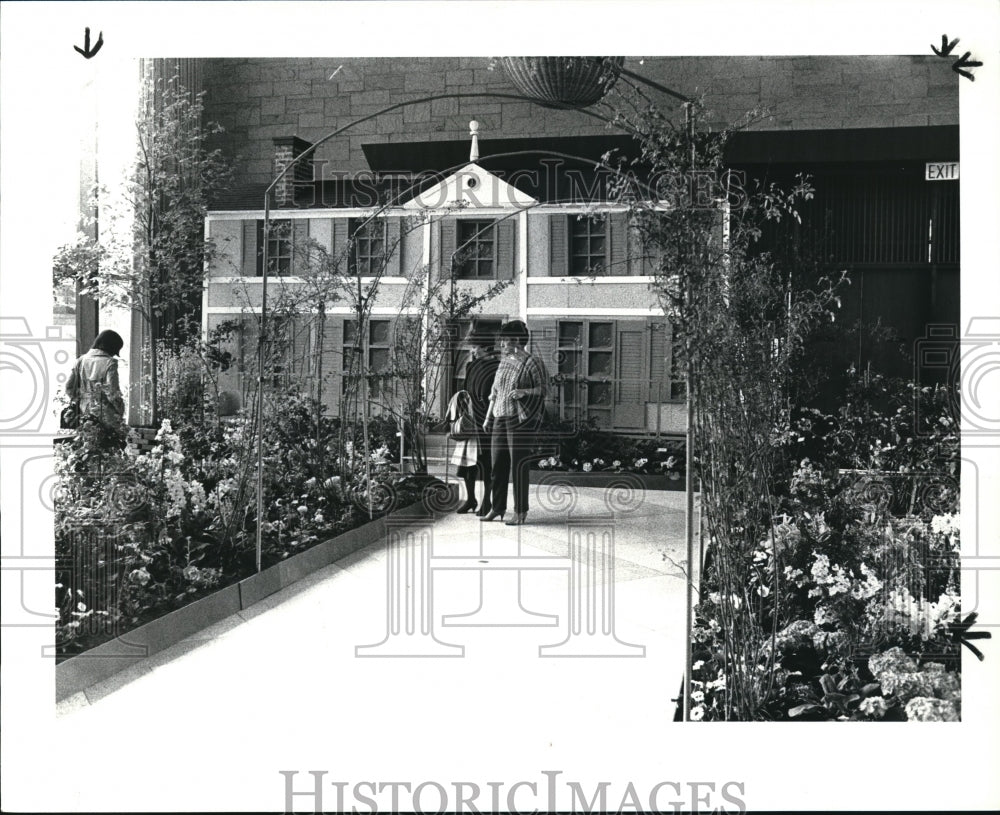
(139, 533)
(835, 578)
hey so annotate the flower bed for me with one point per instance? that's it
(606, 478)
(140, 533)
(589, 450)
(111, 656)
(852, 609)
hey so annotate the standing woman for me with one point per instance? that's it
(517, 403)
(93, 385)
(479, 376)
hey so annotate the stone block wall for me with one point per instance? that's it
(257, 100)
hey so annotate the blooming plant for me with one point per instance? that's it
(147, 530)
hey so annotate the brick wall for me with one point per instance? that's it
(257, 100)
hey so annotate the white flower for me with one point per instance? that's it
(587, 466)
(698, 696)
(697, 666)
(697, 713)
(318, 518)
(302, 509)
(616, 463)
(873, 707)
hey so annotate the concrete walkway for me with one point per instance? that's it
(284, 686)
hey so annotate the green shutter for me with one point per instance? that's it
(339, 249)
(506, 249)
(559, 245)
(659, 362)
(617, 243)
(449, 238)
(299, 352)
(333, 333)
(545, 345)
(632, 376)
(300, 247)
(394, 244)
(647, 252)
(251, 248)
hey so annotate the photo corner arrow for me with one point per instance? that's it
(87, 52)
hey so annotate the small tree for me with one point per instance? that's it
(424, 349)
(742, 321)
(151, 251)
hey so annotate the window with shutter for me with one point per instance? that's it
(378, 357)
(588, 245)
(476, 255)
(586, 368)
(369, 239)
(279, 247)
(283, 238)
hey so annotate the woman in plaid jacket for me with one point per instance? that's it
(516, 406)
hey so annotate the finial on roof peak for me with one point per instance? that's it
(474, 132)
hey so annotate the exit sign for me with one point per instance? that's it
(941, 171)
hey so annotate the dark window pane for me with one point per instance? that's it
(569, 362)
(570, 333)
(379, 332)
(601, 335)
(600, 363)
(599, 393)
(379, 359)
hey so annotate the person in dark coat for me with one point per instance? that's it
(479, 375)
(517, 403)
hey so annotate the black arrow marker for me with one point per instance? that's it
(965, 62)
(87, 51)
(946, 47)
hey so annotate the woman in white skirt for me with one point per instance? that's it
(465, 452)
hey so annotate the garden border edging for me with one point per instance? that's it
(80, 672)
(605, 479)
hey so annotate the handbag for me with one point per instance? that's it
(463, 426)
(69, 416)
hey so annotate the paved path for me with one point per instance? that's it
(279, 686)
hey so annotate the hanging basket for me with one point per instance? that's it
(564, 83)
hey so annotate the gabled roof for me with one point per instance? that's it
(471, 187)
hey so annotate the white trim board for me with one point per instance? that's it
(605, 280)
(338, 310)
(596, 312)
